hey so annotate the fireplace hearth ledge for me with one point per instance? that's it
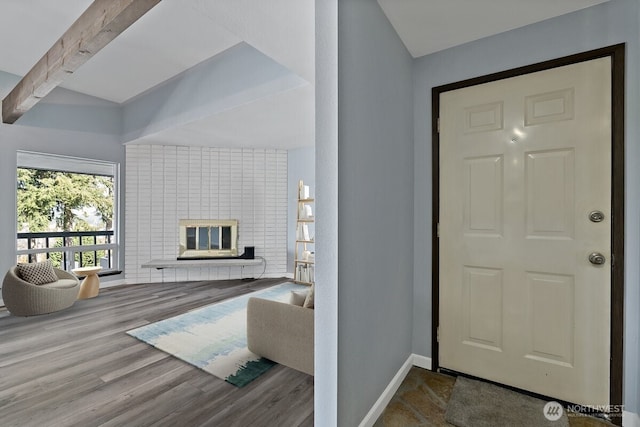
(159, 264)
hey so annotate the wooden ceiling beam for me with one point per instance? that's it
(102, 22)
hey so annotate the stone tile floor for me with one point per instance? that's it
(421, 400)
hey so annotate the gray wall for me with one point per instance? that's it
(68, 110)
(302, 166)
(375, 206)
(603, 25)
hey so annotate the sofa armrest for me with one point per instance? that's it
(281, 332)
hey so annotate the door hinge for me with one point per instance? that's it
(438, 124)
(438, 230)
(613, 260)
(438, 334)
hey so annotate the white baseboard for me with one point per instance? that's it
(421, 361)
(386, 396)
(630, 419)
(111, 283)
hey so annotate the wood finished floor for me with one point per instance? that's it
(77, 367)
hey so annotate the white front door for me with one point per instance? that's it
(523, 163)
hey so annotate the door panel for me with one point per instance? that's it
(551, 335)
(549, 186)
(483, 191)
(482, 300)
(522, 163)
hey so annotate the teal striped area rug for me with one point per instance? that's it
(214, 337)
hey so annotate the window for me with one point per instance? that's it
(67, 211)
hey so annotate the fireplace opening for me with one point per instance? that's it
(203, 238)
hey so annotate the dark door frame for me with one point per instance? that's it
(617, 55)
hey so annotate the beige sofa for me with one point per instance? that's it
(281, 332)
(26, 299)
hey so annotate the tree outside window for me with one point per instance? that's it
(57, 201)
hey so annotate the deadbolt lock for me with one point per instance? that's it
(596, 216)
(596, 258)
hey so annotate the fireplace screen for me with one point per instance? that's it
(208, 238)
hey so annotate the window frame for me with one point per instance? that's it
(72, 164)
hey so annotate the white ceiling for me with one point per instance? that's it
(29, 29)
(178, 34)
(167, 40)
(428, 26)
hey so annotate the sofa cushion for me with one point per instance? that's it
(38, 273)
(298, 297)
(61, 284)
(309, 302)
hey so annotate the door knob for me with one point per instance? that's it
(596, 258)
(596, 216)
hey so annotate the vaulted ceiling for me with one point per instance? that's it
(177, 36)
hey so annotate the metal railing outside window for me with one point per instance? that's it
(69, 249)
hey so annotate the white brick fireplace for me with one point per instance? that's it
(167, 183)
